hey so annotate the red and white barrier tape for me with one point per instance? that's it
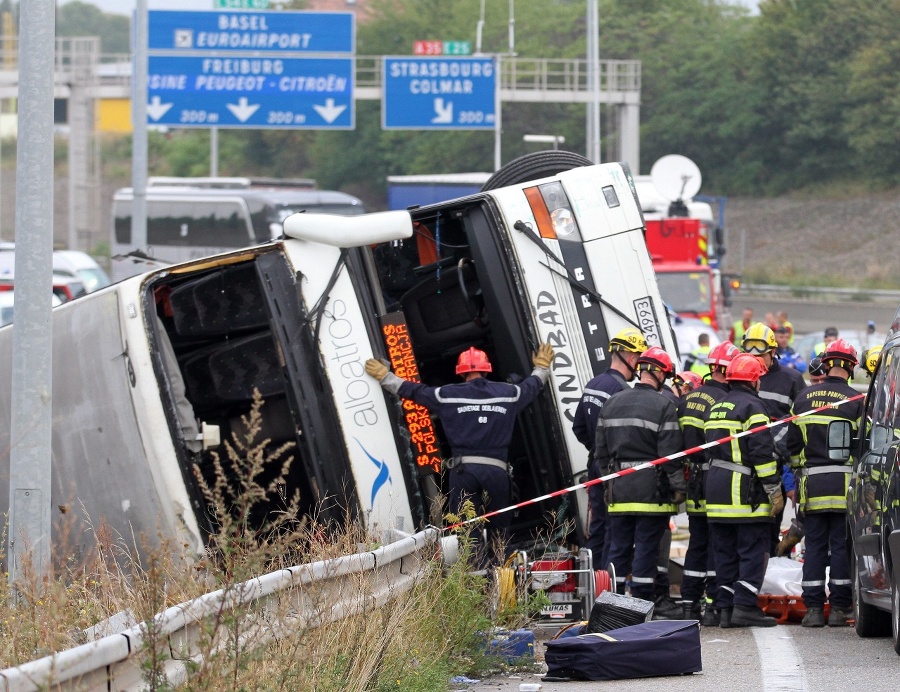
(655, 462)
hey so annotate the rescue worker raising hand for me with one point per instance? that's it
(478, 417)
(743, 491)
(636, 426)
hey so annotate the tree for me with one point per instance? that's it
(83, 19)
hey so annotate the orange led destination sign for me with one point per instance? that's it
(418, 420)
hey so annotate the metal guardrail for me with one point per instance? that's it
(821, 292)
(319, 593)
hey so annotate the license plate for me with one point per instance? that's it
(646, 316)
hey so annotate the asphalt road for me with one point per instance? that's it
(786, 658)
(813, 316)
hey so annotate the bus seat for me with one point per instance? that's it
(228, 373)
(224, 301)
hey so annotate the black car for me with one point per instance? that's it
(873, 499)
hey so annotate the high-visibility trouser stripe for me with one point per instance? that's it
(727, 588)
(747, 585)
(641, 508)
(642, 580)
(835, 502)
(662, 570)
(817, 582)
(711, 573)
(841, 582)
(693, 573)
(737, 512)
(620, 580)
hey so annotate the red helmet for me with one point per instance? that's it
(655, 358)
(722, 354)
(745, 367)
(840, 354)
(688, 379)
(473, 360)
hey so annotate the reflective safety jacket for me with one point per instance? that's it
(595, 394)
(739, 469)
(823, 482)
(638, 425)
(778, 388)
(478, 416)
(692, 415)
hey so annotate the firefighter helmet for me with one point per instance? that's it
(688, 379)
(656, 359)
(745, 367)
(722, 354)
(870, 359)
(840, 354)
(630, 340)
(759, 339)
(473, 360)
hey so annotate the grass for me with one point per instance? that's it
(418, 642)
(798, 281)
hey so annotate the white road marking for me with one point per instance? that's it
(780, 664)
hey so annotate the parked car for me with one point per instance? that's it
(873, 499)
(81, 266)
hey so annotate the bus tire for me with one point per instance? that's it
(538, 164)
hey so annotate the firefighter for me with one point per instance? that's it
(699, 570)
(685, 382)
(635, 426)
(743, 493)
(830, 334)
(478, 416)
(869, 360)
(816, 371)
(823, 487)
(778, 388)
(624, 349)
(696, 362)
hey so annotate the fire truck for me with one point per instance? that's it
(685, 240)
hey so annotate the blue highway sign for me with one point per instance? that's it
(432, 93)
(252, 92)
(223, 30)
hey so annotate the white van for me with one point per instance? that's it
(191, 218)
(560, 259)
(81, 266)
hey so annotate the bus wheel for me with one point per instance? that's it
(538, 164)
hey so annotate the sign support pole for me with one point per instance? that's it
(139, 154)
(498, 116)
(214, 152)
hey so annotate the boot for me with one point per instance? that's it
(725, 617)
(711, 616)
(749, 616)
(690, 610)
(815, 617)
(838, 617)
(666, 609)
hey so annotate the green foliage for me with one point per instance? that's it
(804, 94)
(84, 19)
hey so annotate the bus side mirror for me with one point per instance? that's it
(840, 439)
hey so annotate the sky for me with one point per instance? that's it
(126, 6)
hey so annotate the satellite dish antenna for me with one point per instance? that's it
(676, 178)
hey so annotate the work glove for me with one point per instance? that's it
(776, 498)
(544, 356)
(376, 369)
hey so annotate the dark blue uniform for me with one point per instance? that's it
(595, 394)
(699, 567)
(478, 418)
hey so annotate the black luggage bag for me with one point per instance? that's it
(659, 647)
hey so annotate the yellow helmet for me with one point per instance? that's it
(870, 359)
(759, 339)
(629, 339)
